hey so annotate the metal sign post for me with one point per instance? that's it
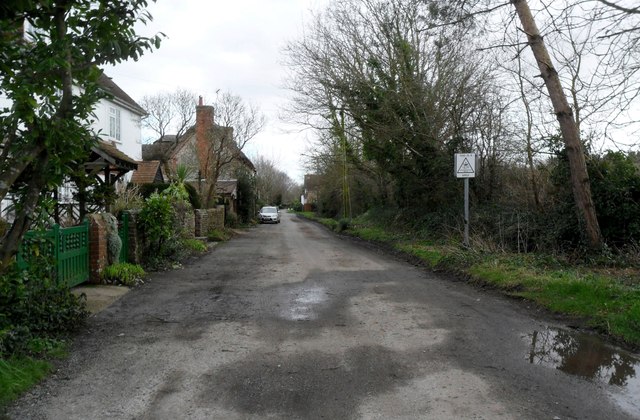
(465, 167)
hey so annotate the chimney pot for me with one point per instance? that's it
(200, 102)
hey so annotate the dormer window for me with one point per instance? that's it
(114, 123)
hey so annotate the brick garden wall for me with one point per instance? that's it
(190, 223)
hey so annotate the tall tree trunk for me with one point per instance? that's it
(570, 134)
(9, 246)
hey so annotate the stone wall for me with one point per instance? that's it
(98, 259)
(185, 220)
(201, 222)
(216, 218)
(207, 220)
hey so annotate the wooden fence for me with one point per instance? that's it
(64, 249)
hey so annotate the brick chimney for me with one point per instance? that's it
(204, 129)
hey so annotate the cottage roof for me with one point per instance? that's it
(110, 153)
(227, 186)
(148, 173)
(120, 95)
(246, 161)
(160, 150)
(166, 147)
(106, 157)
(169, 146)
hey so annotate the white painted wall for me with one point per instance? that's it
(130, 141)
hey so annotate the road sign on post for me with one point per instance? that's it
(465, 167)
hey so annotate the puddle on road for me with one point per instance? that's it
(583, 355)
(588, 357)
(304, 306)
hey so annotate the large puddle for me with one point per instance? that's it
(587, 356)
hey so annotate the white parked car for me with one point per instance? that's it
(269, 214)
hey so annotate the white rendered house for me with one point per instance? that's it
(117, 122)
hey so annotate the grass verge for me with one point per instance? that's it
(606, 299)
(19, 374)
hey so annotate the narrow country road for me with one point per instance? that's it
(291, 321)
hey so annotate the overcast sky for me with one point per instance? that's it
(233, 46)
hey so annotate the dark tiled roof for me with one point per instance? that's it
(148, 173)
(167, 138)
(110, 87)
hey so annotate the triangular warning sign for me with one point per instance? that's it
(466, 167)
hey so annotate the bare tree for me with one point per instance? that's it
(619, 6)
(237, 123)
(273, 186)
(600, 72)
(169, 113)
(409, 97)
(579, 177)
(245, 118)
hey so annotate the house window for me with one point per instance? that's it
(114, 123)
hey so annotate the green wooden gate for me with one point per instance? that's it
(67, 250)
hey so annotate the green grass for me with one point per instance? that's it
(373, 233)
(219, 235)
(194, 245)
(18, 374)
(123, 273)
(326, 221)
(428, 253)
(604, 301)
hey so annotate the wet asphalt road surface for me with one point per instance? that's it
(291, 321)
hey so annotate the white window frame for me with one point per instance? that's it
(114, 123)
